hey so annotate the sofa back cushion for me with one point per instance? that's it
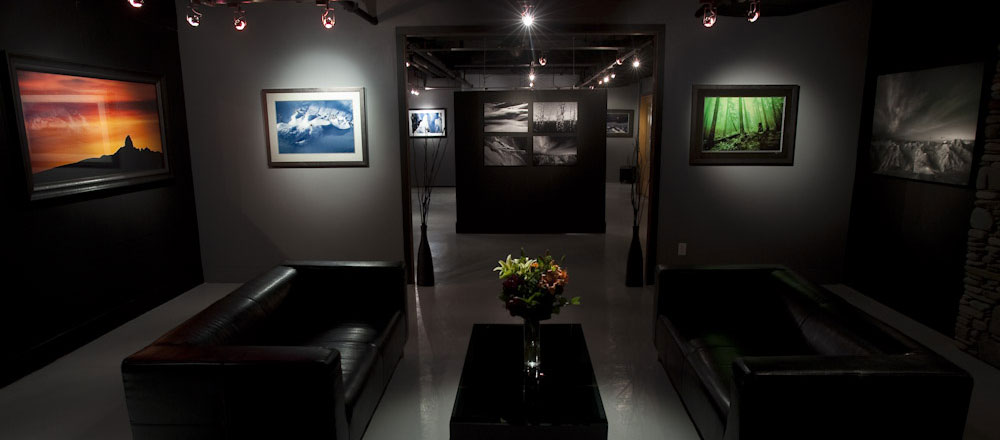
(732, 308)
(832, 326)
(238, 318)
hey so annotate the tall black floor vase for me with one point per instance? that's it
(633, 271)
(425, 264)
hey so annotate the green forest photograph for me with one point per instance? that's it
(743, 123)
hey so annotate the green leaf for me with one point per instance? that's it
(575, 300)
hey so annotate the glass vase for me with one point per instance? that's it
(532, 347)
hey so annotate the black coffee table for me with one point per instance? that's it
(496, 401)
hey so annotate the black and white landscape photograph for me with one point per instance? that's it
(505, 151)
(554, 117)
(554, 150)
(924, 126)
(505, 117)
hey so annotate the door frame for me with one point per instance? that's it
(657, 31)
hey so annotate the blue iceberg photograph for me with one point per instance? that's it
(310, 127)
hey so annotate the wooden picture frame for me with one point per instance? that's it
(84, 128)
(772, 108)
(315, 127)
(615, 127)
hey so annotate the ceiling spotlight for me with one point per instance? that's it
(329, 19)
(754, 12)
(600, 81)
(635, 62)
(527, 16)
(618, 61)
(612, 75)
(607, 79)
(239, 18)
(531, 84)
(591, 87)
(531, 75)
(542, 61)
(414, 91)
(193, 15)
(135, 3)
(708, 15)
(407, 63)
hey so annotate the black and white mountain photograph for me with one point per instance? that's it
(554, 150)
(505, 117)
(505, 151)
(554, 117)
(925, 121)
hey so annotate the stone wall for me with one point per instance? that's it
(977, 329)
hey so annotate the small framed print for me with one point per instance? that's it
(428, 123)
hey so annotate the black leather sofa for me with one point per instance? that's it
(303, 351)
(760, 353)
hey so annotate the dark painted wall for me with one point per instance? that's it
(907, 238)
(794, 215)
(491, 199)
(80, 266)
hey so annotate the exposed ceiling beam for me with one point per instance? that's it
(347, 5)
(441, 66)
(525, 65)
(536, 48)
(627, 56)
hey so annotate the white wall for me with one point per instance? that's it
(251, 217)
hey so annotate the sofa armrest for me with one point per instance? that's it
(892, 396)
(176, 391)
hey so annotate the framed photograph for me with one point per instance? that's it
(743, 125)
(505, 117)
(315, 127)
(505, 151)
(428, 123)
(86, 128)
(620, 123)
(554, 117)
(924, 124)
(554, 150)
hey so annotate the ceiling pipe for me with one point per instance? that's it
(602, 72)
(441, 66)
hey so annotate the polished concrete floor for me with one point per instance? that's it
(80, 395)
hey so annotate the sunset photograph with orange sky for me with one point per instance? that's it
(70, 119)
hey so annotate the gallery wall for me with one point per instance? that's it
(251, 217)
(81, 265)
(620, 149)
(908, 237)
(439, 98)
(794, 215)
(490, 183)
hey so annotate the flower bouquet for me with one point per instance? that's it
(533, 289)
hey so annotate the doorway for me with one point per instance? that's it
(464, 59)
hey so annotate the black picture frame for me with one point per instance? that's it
(82, 181)
(444, 122)
(277, 159)
(783, 156)
(631, 123)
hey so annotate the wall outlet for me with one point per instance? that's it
(682, 249)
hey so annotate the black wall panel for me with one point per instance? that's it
(77, 267)
(907, 240)
(531, 198)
